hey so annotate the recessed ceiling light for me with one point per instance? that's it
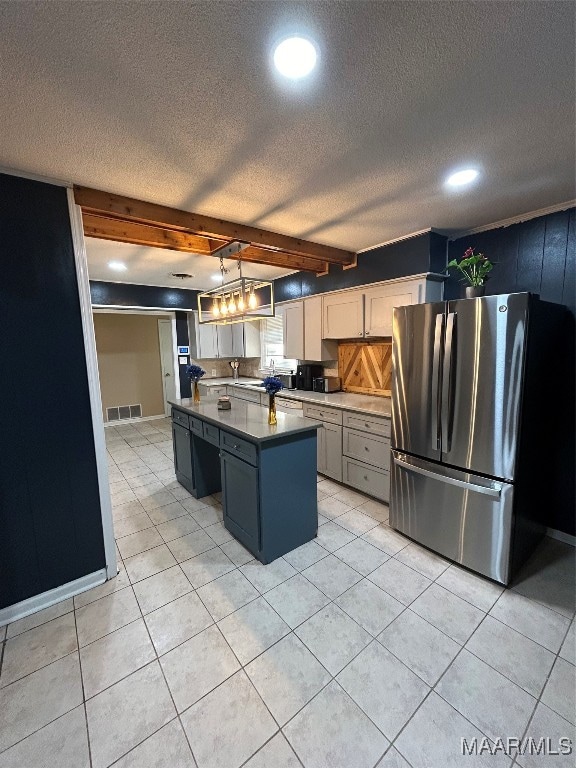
(217, 278)
(460, 178)
(295, 57)
(117, 266)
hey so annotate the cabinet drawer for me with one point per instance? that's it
(215, 391)
(179, 417)
(331, 415)
(250, 395)
(368, 448)
(367, 424)
(196, 425)
(372, 481)
(239, 447)
(210, 433)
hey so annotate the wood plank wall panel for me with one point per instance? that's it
(533, 256)
(365, 367)
(540, 256)
(50, 518)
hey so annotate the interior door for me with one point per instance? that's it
(482, 383)
(417, 334)
(167, 363)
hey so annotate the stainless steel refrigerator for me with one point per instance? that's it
(465, 480)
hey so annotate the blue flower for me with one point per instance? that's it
(195, 372)
(272, 385)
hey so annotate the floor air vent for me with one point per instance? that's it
(119, 412)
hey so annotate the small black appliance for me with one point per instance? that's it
(305, 375)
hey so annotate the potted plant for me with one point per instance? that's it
(195, 372)
(272, 385)
(475, 268)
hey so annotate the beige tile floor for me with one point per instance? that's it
(359, 649)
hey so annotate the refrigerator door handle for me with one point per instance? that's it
(447, 395)
(495, 492)
(436, 368)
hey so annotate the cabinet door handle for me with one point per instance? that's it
(235, 447)
(359, 333)
(366, 477)
(366, 448)
(367, 333)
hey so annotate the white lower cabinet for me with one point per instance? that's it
(329, 439)
(366, 454)
(366, 478)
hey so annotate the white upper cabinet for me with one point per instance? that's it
(367, 312)
(207, 341)
(225, 340)
(315, 347)
(379, 303)
(343, 315)
(246, 339)
(213, 341)
(293, 327)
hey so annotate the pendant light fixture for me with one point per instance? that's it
(235, 301)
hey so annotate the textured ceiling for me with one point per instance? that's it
(176, 103)
(154, 266)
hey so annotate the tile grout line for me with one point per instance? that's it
(83, 689)
(330, 601)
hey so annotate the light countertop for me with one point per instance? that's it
(346, 401)
(247, 420)
(229, 380)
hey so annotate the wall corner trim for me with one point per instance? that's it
(83, 282)
(53, 596)
(567, 538)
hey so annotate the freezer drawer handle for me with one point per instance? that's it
(495, 492)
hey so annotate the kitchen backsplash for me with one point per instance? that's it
(249, 366)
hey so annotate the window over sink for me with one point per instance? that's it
(272, 345)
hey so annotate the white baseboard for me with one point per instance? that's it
(119, 422)
(53, 596)
(567, 538)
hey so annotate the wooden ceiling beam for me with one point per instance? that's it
(281, 259)
(100, 203)
(140, 234)
(156, 237)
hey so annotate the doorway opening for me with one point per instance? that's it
(137, 363)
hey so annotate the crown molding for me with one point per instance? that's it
(514, 219)
(397, 240)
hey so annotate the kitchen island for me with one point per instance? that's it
(267, 474)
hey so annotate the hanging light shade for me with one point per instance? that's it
(236, 301)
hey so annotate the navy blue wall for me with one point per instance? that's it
(150, 296)
(423, 253)
(536, 255)
(50, 518)
(182, 339)
(540, 256)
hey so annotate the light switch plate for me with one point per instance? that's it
(214, 372)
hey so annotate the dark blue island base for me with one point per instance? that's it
(267, 475)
